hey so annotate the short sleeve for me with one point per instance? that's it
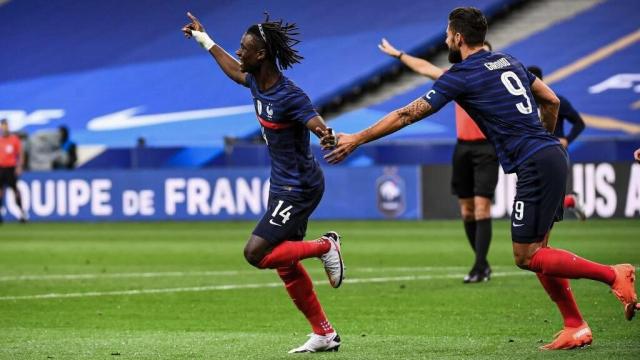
(447, 88)
(300, 108)
(530, 75)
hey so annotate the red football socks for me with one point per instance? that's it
(563, 264)
(569, 202)
(300, 289)
(288, 253)
(559, 291)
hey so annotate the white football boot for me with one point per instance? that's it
(319, 343)
(332, 260)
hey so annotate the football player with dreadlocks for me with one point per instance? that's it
(286, 116)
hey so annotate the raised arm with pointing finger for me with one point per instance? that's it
(418, 65)
(229, 65)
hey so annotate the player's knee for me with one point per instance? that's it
(482, 208)
(253, 256)
(466, 217)
(467, 212)
(482, 211)
(522, 261)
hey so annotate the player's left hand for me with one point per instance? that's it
(347, 143)
(194, 25)
(636, 155)
(564, 142)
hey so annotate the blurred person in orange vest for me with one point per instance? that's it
(475, 170)
(11, 165)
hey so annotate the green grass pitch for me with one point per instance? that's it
(183, 291)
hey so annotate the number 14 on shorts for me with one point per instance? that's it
(285, 214)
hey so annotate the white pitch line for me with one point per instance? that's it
(239, 286)
(119, 275)
(209, 273)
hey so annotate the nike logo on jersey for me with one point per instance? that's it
(274, 223)
(517, 225)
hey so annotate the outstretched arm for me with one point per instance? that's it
(418, 65)
(569, 113)
(549, 104)
(317, 125)
(229, 65)
(392, 122)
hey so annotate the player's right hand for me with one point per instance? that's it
(347, 143)
(194, 25)
(388, 49)
(329, 140)
(636, 155)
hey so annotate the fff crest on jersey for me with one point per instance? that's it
(268, 109)
(391, 193)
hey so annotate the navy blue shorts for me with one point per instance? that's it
(540, 193)
(287, 215)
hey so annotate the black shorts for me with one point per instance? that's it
(8, 177)
(475, 169)
(540, 193)
(287, 215)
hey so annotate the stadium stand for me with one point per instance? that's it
(599, 76)
(104, 69)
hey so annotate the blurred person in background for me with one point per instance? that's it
(474, 170)
(67, 156)
(569, 113)
(11, 165)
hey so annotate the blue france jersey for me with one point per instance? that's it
(283, 111)
(494, 89)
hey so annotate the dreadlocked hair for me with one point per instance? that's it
(278, 39)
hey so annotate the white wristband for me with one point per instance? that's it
(203, 39)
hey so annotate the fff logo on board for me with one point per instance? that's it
(390, 193)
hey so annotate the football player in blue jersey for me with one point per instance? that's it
(502, 97)
(287, 117)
